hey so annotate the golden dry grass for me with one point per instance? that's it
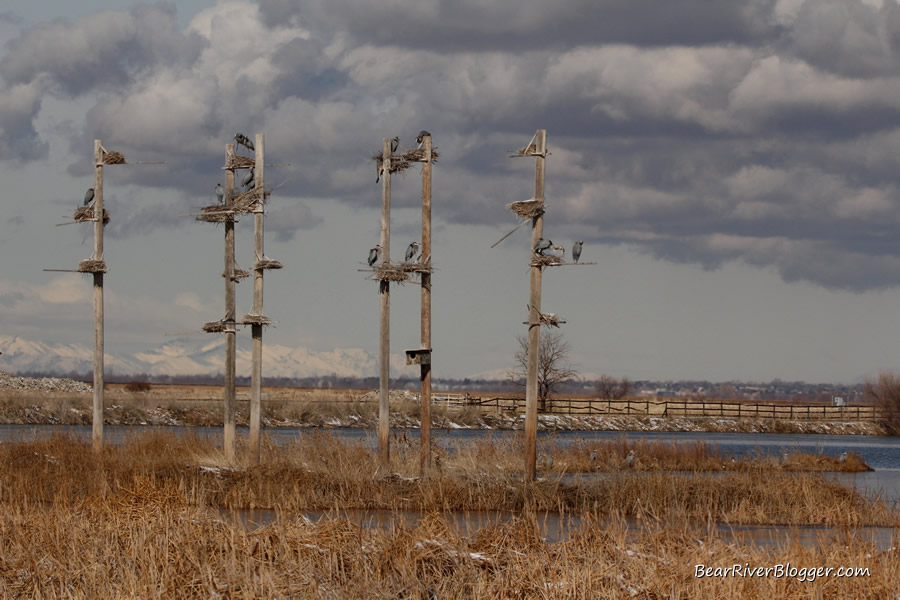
(139, 521)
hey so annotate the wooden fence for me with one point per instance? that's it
(678, 408)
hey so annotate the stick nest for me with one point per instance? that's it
(86, 213)
(91, 266)
(401, 162)
(256, 320)
(217, 213)
(214, 327)
(545, 261)
(551, 319)
(240, 162)
(113, 158)
(528, 209)
(246, 202)
(389, 272)
(526, 151)
(238, 274)
(267, 263)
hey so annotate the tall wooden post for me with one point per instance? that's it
(97, 416)
(256, 328)
(534, 317)
(230, 342)
(384, 401)
(425, 367)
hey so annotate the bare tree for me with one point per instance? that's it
(885, 394)
(554, 367)
(610, 388)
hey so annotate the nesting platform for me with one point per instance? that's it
(238, 274)
(113, 158)
(237, 161)
(527, 209)
(256, 320)
(399, 272)
(401, 162)
(215, 327)
(547, 261)
(267, 263)
(551, 319)
(217, 213)
(91, 266)
(86, 213)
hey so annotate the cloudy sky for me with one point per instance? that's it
(732, 167)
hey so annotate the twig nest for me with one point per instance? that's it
(92, 266)
(392, 272)
(214, 327)
(86, 213)
(527, 209)
(545, 261)
(113, 158)
(401, 162)
(217, 213)
(240, 162)
(268, 264)
(238, 274)
(256, 320)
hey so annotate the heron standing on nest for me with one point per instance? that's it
(420, 139)
(220, 193)
(242, 140)
(411, 251)
(542, 245)
(576, 250)
(89, 196)
(395, 143)
(374, 253)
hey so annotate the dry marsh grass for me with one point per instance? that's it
(137, 521)
(106, 550)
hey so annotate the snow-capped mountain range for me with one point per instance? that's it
(187, 356)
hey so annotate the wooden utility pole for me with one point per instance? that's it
(257, 310)
(97, 416)
(230, 334)
(534, 315)
(425, 367)
(384, 400)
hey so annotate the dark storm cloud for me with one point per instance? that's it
(107, 48)
(700, 132)
(511, 25)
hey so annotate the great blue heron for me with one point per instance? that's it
(411, 251)
(89, 196)
(242, 140)
(842, 458)
(395, 143)
(594, 454)
(629, 460)
(220, 193)
(542, 245)
(374, 253)
(560, 249)
(247, 181)
(379, 164)
(420, 139)
(576, 250)
(546, 462)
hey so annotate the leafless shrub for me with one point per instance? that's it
(610, 388)
(554, 367)
(885, 394)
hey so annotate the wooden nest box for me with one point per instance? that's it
(419, 356)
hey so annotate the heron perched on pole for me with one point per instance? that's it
(576, 250)
(374, 254)
(242, 140)
(542, 245)
(89, 196)
(395, 143)
(220, 193)
(411, 251)
(420, 139)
